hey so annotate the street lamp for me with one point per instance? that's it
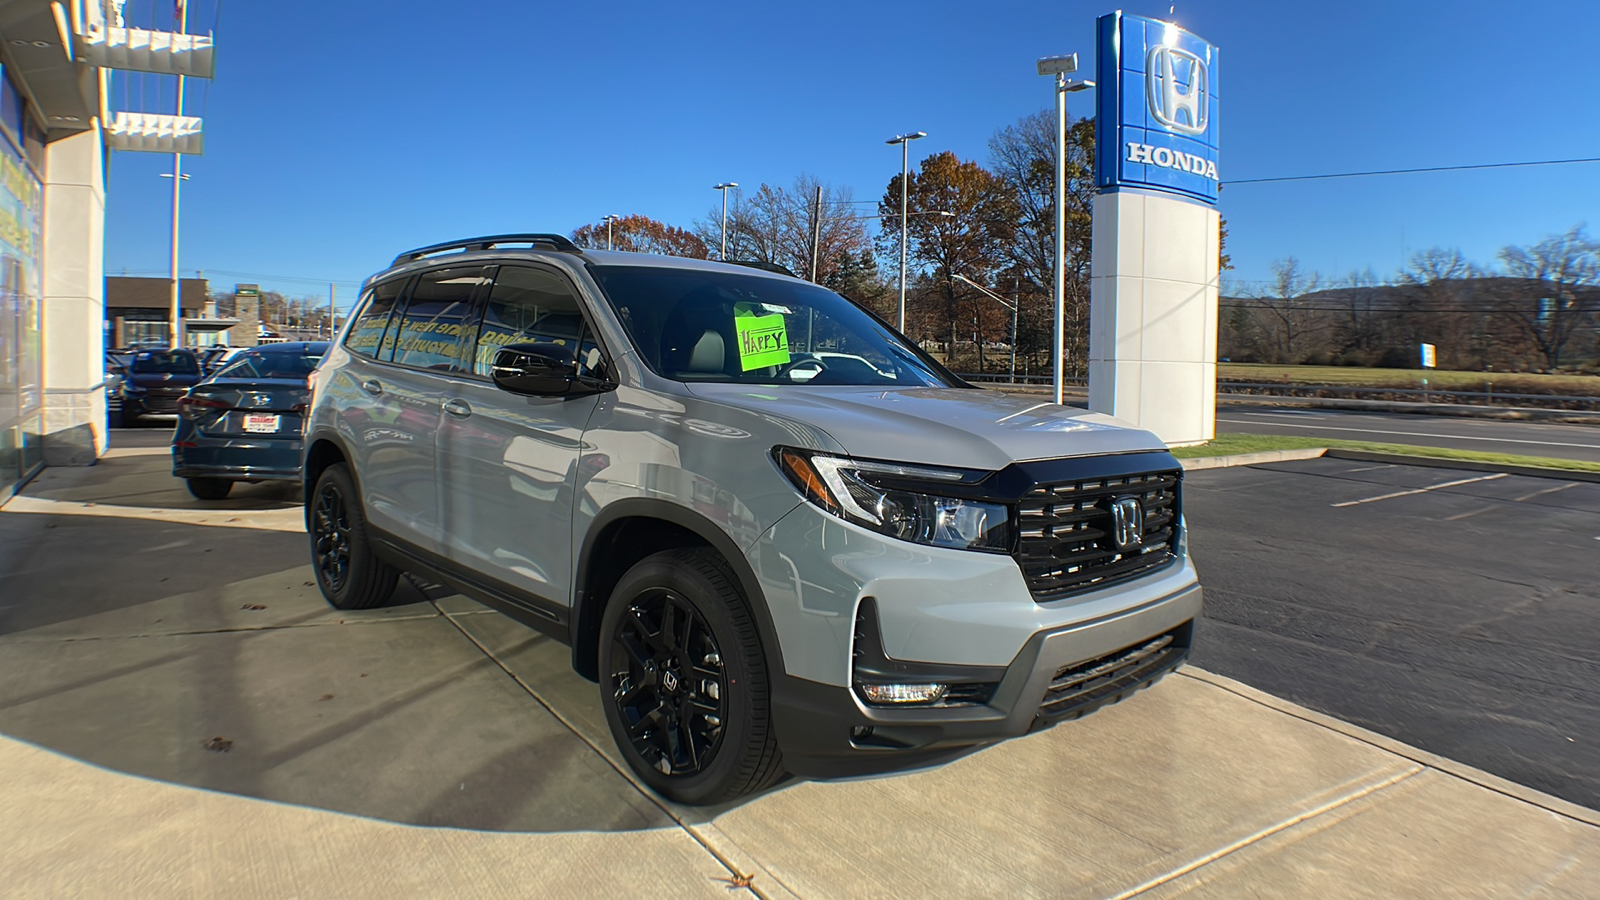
(723, 187)
(1013, 306)
(1060, 67)
(903, 140)
(608, 220)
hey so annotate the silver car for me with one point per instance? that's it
(769, 563)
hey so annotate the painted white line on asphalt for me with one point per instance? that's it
(1287, 414)
(1369, 468)
(1467, 515)
(1434, 487)
(1428, 434)
(1559, 487)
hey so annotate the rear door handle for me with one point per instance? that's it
(457, 407)
(372, 386)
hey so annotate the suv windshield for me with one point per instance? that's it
(270, 365)
(698, 325)
(166, 363)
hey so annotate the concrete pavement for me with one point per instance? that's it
(433, 748)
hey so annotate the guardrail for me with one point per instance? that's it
(1415, 395)
(1005, 378)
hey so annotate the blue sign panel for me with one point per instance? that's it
(1156, 108)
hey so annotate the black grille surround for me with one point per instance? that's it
(1065, 543)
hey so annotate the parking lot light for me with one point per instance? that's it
(903, 140)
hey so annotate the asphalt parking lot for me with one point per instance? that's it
(1457, 611)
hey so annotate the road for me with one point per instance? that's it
(1455, 611)
(1489, 435)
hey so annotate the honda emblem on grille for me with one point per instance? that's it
(1127, 523)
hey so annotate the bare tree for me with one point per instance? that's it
(1556, 299)
(787, 228)
(1289, 324)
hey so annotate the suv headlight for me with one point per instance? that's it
(912, 503)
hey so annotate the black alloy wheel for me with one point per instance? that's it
(349, 574)
(683, 679)
(668, 683)
(330, 539)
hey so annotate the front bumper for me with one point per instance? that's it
(1061, 673)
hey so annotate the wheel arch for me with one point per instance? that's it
(321, 452)
(628, 531)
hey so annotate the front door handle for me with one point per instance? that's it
(457, 407)
(372, 387)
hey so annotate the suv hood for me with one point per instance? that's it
(959, 427)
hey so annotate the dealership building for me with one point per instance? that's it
(55, 137)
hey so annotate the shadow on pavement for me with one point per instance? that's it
(206, 657)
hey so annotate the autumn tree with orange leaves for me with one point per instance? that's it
(641, 234)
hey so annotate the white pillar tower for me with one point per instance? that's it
(1153, 273)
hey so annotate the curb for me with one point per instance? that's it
(1490, 781)
(1250, 459)
(1456, 410)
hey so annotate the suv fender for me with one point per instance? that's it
(590, 592)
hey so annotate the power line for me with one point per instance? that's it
(1509, 165)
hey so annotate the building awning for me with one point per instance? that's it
(140, 50)
(208, 326)
(155, 133)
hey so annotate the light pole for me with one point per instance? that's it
(1060, 66)
(608, 221)
(903, 140)
(1013, 306)
(723, 187)
(177, 180)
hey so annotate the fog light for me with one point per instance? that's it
(903, 693)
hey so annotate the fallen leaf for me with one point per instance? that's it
(218, 745)
(311, 584)
(252, 606)
(737, 881)
(325, 697)
(51, 525)
(363, 675)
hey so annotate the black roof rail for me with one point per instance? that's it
(560, 242)
(764, 266)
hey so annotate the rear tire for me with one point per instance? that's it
(210, 488)
(348, 573)
(683, 680)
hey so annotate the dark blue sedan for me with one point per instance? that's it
(244, 423)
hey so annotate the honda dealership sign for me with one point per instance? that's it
(1157, 109)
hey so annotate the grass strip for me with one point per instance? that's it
(1438, 379)
(1235, 444)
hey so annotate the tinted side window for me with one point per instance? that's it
(367, 333)
(431, 331)
(532, 306)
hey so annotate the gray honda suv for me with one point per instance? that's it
(778, 535)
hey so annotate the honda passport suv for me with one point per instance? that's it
(778, 535)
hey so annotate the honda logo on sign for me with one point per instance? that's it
(1127, 523)
(1166, 70)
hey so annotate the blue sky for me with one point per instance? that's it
(338, 134)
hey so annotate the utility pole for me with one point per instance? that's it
(816, 234)
(723, 187)
(333, 305)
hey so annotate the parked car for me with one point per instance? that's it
(768, 564)
(244, 422)
(154, 382)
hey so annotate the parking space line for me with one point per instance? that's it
(1421, 490)
(1562, 487)
(1369, 468)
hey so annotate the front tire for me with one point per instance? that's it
(209, 488)
(684, 680)
(348, 573)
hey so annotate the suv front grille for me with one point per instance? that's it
(1066, 543)
(1082, 688)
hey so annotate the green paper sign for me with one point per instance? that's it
(763, 340)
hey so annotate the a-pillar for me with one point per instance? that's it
(1153, 313)
(74, 300)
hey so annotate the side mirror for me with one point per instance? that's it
(540, 370)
